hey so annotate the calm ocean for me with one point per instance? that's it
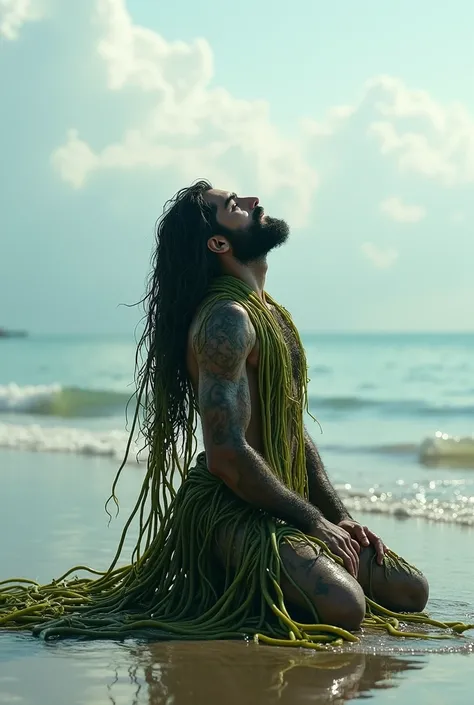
(380, 400)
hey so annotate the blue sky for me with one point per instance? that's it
(356, 126)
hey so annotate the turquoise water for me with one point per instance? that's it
(376, 397)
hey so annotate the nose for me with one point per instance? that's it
(250, 203)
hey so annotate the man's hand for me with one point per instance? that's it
(364, 537)
(339, 542)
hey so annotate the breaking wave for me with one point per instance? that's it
(389, 406)
(70, 402)
(55, 400)
(46, 439)
(438, 449)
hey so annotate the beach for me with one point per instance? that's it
(376, 399)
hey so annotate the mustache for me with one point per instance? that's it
(257, 214)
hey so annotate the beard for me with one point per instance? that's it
(255, 242)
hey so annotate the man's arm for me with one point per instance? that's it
(321, 492)
(323, 495)
(222, 347)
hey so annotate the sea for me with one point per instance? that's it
(392, 414)
(393, 417)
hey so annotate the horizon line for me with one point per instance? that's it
(341, 331)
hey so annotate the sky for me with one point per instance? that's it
(353, 121)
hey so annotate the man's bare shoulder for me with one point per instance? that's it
(223, 336)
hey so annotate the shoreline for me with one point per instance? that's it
(53, 512)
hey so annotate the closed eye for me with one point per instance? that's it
(229, 200)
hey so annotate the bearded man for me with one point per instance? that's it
(250, 538)
(211, 342)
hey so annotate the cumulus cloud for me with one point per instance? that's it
(74, 160)
(15, 13)
(381, 258)
(193, 127)
(401, 212)
(423, 136)
(335, 118)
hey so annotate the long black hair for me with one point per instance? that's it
(182, 269)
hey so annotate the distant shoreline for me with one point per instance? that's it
(6, 333)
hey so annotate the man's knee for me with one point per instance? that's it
(336, 597)
(409, 592)
(345, 605)
(397, 588)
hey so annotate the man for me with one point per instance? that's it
(253, 540)
(223, 368)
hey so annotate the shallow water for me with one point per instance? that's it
(54, 519)
(200, 673)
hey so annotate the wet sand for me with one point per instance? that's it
(52, 518)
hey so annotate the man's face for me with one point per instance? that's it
(242, 223)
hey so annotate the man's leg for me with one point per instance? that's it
(396, 589)
(335, 595)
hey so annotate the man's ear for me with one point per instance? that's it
(218, 244)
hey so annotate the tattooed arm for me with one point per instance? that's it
(321, 492)
(222, 347)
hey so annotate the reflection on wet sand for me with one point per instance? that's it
(234, 673)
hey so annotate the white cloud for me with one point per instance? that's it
(401, 212)
(15, 13)
(421, 134)
(381, 258)
(193, 127)
(336, 117)
(74, 160)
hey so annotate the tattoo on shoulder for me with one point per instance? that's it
(222, 344)
(224, 339)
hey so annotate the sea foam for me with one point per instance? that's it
(459, 509)
(44, 439)
(16, 398)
